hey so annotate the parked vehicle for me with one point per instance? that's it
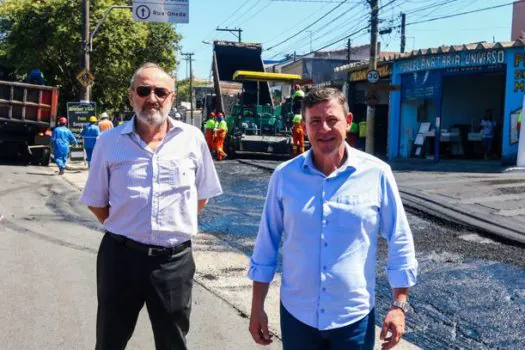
(27, 114)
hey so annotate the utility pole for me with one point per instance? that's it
(190, 59)
(349, 50)
(403, 34)
(371, 109)
(86, 90)
(233, 30)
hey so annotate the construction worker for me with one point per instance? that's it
(209, 131)
(104, 124)
(90, 134)
(297, 98)
(297, 135)
(220, 136)
(361, 142)
(352, 130)
(60, 139)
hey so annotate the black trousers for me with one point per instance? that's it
(128, 278)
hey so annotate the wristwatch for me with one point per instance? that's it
(403, 305)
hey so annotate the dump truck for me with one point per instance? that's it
(27, 114)
(242, 93)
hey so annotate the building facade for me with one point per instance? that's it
(445, 93)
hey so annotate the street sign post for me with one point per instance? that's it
(171, 11)
(372, 76)
(85, 78)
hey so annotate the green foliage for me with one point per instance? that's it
(47, 34)
(183, 88)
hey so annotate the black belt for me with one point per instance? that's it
(150, 250)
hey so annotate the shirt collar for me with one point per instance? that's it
(352, 159)
(129, 127)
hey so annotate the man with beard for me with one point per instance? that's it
(148, 180)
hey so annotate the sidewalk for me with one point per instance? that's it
(479, 194)
(222, 270)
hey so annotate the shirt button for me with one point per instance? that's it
(322, 311)
(326, 244)
(324, 222)
(324, 267)
(324, 289)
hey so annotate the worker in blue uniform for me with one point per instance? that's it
(60, 139)
(90, 134)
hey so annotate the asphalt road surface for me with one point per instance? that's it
(47, 268)
(471, 289)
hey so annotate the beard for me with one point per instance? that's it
(152, 115)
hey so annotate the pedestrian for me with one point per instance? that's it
(105, 124)
(148, 180)
(487, 132)
(220, 136)
(209, 131)
(297, 135)
(61, 138)
(329, 205)
(90, 133)
(361, 141)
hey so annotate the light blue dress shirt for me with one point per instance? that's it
(329, 228)
(153, 194)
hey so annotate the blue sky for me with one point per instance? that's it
(271, 21)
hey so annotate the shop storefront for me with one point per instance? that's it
(445, 97)
(358, 95)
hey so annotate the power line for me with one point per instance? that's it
(307, 27)
(320, 34)
(465, 13)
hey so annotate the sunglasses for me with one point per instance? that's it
(144, 91)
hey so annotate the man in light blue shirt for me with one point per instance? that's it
(328, 206)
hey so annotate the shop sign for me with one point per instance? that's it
(519, 72)
(421, 85)
(453, 60)
(360, 75)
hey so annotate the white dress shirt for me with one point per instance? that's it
(153, 195)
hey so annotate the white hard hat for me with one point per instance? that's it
(104, 116)
(177, 116)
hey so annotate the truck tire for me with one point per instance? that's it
(46, 156)
(36, 156)
(40, 156)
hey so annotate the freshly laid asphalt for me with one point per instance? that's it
(482, 195)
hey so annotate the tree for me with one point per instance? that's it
(183, 88)
(48, 35)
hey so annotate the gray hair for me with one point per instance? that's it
(146, 66)
(318, 95)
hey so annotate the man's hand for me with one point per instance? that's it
(394, 323)
(259, 326)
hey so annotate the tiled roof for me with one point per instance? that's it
(455, 48)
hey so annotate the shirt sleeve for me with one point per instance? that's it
(96, 190)
(263, 262)
(401, 262)
(207, 180)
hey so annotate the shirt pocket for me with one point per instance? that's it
(356, 211)
(177, 173)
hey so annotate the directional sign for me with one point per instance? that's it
(85, 78)
(172, 11)
(372, 76)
